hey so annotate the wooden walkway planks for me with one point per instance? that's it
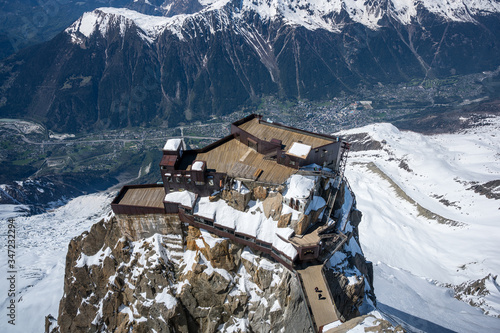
(310, 238)
(267, 132)
(223, 157)
(323, 310)
(144, 197)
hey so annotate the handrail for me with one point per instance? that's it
(321, 172)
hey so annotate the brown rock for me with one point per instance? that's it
(213, 198)
(236, 200)
(50, 323)
(284, 220)
(192, 235)
(272, 206)
(220, 256)
(260, 193)
(302, 225)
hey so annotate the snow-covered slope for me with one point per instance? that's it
(41, 246)
(424, 226)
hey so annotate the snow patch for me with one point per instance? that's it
(184, 198)
(299, 149)
(172, 144)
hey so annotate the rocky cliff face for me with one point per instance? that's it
(189, 281)
(349, 275)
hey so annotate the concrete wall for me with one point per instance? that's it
(327, 153)
(136, 227)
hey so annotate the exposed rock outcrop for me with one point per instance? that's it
(477, 292)
(236, 199)
(205, 284)
(284, 220)
(349, 275)
(273, 206)
(260, 193)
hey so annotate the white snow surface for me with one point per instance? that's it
(172, 144)
(299, 149)
(96, 259)
(184, 198)
(311, 14)
(252, 223)
(415, 256)
(197, 166)
(41, 247)
(240, 187)
(102, 19)
(8, 211)
(166, 298)
(299, 186)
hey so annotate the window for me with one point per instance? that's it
(292, 162)
(169, 179)
(188, 180)
(178, 180)
(211, 182)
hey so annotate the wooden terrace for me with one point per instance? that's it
(140, 199)
(240, 161)
(268, 131)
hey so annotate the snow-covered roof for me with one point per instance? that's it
(299, 187)
(184, 198)
(205, 208)
(252, 223)
(172, 144)
(197, 166)
(299, 149)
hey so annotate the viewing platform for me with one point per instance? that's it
(320, 302)
(266, 186)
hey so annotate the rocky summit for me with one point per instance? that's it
(138, 274)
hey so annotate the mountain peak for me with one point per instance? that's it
(330, 15)
(102, 19)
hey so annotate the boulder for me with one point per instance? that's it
(302, 225)
(284, 220)
(236, 199)
(192, 234)
(272, 206)
(260, 193)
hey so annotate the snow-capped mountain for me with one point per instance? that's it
(317, 14)
(117, 67)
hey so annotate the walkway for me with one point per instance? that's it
(323, 310)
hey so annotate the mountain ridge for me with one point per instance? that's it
(135, 72)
